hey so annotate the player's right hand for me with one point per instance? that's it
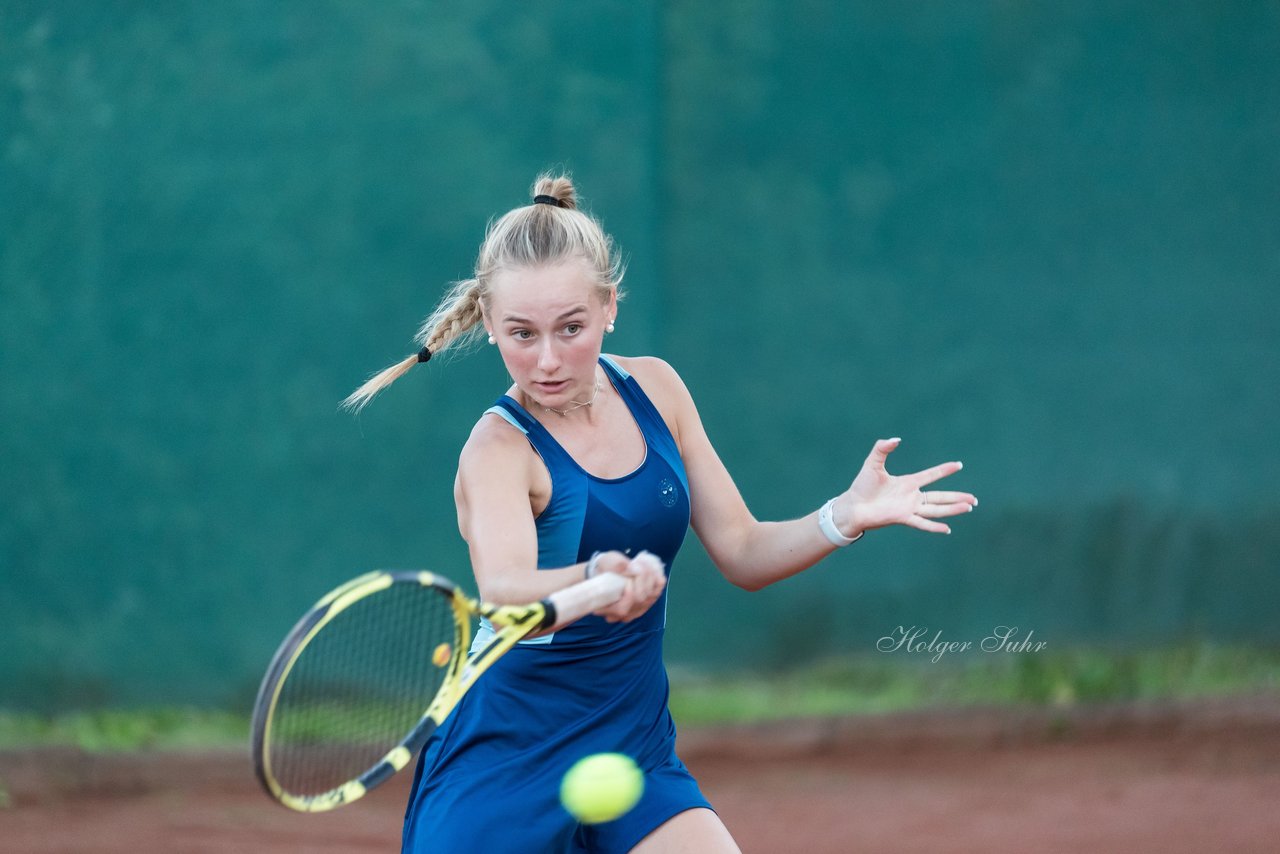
(646, 579)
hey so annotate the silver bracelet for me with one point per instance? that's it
(828, 525)
(591, 565)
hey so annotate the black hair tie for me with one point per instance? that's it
(546, 200)
(424, 355)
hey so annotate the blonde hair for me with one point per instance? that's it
(549, 231)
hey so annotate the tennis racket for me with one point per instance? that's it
(367, 675)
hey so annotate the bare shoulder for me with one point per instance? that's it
(493, 445)
(657, 377)
(497, 477)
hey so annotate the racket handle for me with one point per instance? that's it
(573, 603)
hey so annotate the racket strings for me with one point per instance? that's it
(359, 687)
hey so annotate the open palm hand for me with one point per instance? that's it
(877, 499)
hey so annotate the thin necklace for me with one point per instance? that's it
(577, 404)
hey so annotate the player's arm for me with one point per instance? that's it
(496, 472)
(753, 554)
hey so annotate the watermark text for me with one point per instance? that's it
(919, 640)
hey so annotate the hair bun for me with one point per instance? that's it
(558, 187)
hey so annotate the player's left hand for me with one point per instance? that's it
(877, 499)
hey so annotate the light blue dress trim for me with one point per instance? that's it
(615, 366)
(485, 633)
(508, 417)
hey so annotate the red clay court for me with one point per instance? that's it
(1189, 777)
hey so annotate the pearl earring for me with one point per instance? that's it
(608, 327)
(492, 340)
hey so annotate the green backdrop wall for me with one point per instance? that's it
(1039, 238)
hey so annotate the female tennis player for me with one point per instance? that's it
(594, 463)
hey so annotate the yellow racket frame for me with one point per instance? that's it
(511, 624)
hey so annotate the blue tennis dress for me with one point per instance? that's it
(489, 778)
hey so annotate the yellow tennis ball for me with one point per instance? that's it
(441, 656)
(601, 787)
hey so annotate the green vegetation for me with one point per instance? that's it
(847, 686)
(119, 729)
(886, 683)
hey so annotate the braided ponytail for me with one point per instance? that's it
(455, 321)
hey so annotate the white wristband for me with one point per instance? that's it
(828, 526)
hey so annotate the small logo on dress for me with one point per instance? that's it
(668, 493)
